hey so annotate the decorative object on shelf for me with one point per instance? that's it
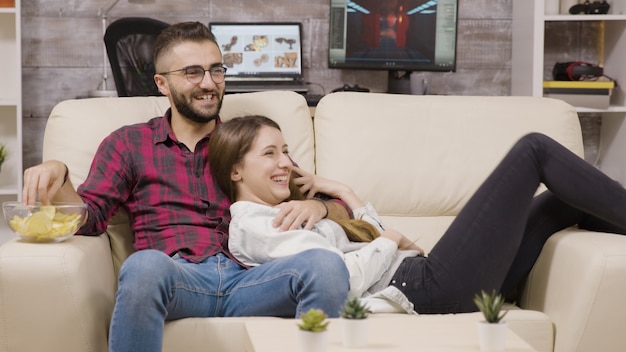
(4, 154)
(588, 94)
(102, 90)
(313, 333)
(576, 71)
(354, 323)
(491, 331)
(581, 84)
(590, 8)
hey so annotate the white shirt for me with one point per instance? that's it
(253, 240)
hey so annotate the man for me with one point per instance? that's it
(158, 172)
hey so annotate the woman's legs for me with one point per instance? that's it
(480, 246)
(548, 214)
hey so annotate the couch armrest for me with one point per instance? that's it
(579, 281)
(56, 297)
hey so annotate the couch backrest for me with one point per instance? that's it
(75, 128)
(424, 156)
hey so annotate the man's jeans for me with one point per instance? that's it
(154, 287)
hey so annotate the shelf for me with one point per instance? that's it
(11, 102)
(8, 102)
(611, 109)
(569, 18)
(528, 67)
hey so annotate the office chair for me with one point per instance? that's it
(129, 43)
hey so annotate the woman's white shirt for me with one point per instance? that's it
(253, 240)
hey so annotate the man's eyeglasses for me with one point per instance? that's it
(195, 74)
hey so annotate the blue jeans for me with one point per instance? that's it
(154, 287)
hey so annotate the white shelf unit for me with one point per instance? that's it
(10, 107)
(528, 47)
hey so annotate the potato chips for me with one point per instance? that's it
(46, 224)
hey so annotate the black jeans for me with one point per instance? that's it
(496, 238)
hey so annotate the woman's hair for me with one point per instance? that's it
(359, 230)
(180, 33)
(228, 145)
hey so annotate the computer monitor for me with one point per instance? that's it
(260, 49)
(393, 35)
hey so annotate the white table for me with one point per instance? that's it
(446, 333)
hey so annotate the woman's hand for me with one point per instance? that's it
(311, 184)
(401, 240)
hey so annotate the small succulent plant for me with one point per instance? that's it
(313, 320)
(490, 305)
(354, 309)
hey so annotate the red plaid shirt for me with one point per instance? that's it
(167, 190)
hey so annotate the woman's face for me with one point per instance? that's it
(263, 175)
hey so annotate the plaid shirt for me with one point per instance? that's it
(167, 190)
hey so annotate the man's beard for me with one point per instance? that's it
(186, 110)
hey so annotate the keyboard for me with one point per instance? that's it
(246, 88)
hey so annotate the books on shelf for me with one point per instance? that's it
(579, 84)
(589, 94)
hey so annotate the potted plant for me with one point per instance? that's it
(491, 331)
(4, 153)
(313, 333)
(355, 324)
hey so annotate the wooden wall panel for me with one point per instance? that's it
(66, 36)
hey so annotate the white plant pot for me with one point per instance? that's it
(313, 341)
(492, 337)
(355, 332)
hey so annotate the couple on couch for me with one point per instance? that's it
(159, 173)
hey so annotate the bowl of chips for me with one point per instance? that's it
(45, 223)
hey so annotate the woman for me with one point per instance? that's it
(492, 243)
(253, 169)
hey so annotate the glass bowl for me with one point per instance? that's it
(45, 223)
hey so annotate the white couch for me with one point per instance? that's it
(416, 158)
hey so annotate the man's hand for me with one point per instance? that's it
(45, 180)
(295, 213)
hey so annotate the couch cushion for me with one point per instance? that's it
(207, 334)
(426, 155)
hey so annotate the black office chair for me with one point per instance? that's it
(129, 43)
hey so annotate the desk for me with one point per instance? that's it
(432, 333)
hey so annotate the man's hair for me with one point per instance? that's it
(179, 33)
